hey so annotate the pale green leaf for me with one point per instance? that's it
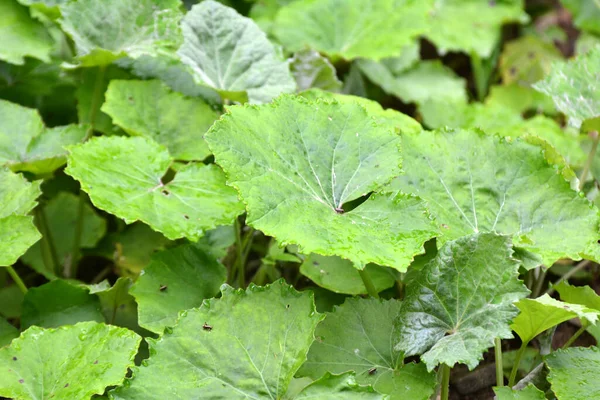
(123, 176)
(297, 162)
(246, 344)
(428, 80)
(59, 303)
(17, 234)
(527, 59)
(529, 393)
(78, 361)
(491, 118)
(471, 26)
(372, 29)
(520, 99)
(229, 53)
(175, 280)
(574, 373)
(311, 70)
(21, 35)
(481, 183)
(585, 13)
(7, 332)
(340, 276)
(61, 216)
(458, 303)
(17, 195)
(583, 295)
(543, 313)
(108, 30)
(411, 381)
(575, 87)
(337, 387)
(150, 109)
(44, 9)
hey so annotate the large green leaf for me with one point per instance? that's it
(123, 176)
(458, 303)
(296, 163)
(21, 35)
(334, 387)
(17, 195)
(340, 276)
(247, 344)
(574, 373)
(70, 362)
(230, 53)
(529, 393)
(428, 80)
(175, 280)
(538, 315)
(312, 70)
(527, 60)
(359, 336)
(61, 215)
(479, 183)
(372, 29)
(583, 295)
(150, 109)
(471, 26)
(575, 87)
(108, 30)
(59, 303)
(7, 332)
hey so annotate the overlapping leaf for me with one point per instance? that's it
(296, 163)
(586, 14)
(527, 60)
(230, 53)
(123, 176)
(7, 332)
(108, 30)
(311, 70)
(529, 393)
(247, 344)
(574, 373)
(333, 387)
(78, 361)
(150, 109)
(175, 280)
(460, 301)
(372, 29)
(575, 88)
(481, 183)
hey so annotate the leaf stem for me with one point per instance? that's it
(515, 368)
(445, 382)
(569, 274)
(246, 245)
(590, 159)
(539, 282)
(72, 268)
(573, 338)
(366, 278)
(96, 99)
(52, 264)
(499, 366)
(17, 279)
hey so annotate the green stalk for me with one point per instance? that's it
(238, 248)
(569, 274)
(590, 159)
(246, 245)
(445, 382)
(513, 373)
(17, 279)
(575, 336)
(51, 262)
(366, 278)
(539, 282)
(478, 76)
(499, 366)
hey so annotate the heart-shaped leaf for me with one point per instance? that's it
(298, 163)
(123, 176)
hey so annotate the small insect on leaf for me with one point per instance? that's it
(372, 371)
(162, 288)
(207, 327)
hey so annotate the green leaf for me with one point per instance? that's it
(471, 26)
(520, 99)
(334, 387)
(311, 70)
(543, 313)
(479, 183)
(11, 300)
(123, 177)
(359, 336)
(583, 295)
(175, 280)
(230, 53)
(61, 216)
(575, 88)
(150, 109)
(372, 29)
(217, 241)
(44, 9)
(340, 276)
(17, 195)
(491, 118)
(118, 305)
(106, 31)
(585, 13)
(7, 332)
(229, 349)
(59, 303)
(574, 373)
(21, 35)
(529, 393)
(458, 303)
(527, 59)
(388, 117)
(428, 80)
(78, 361)
(296, 181)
